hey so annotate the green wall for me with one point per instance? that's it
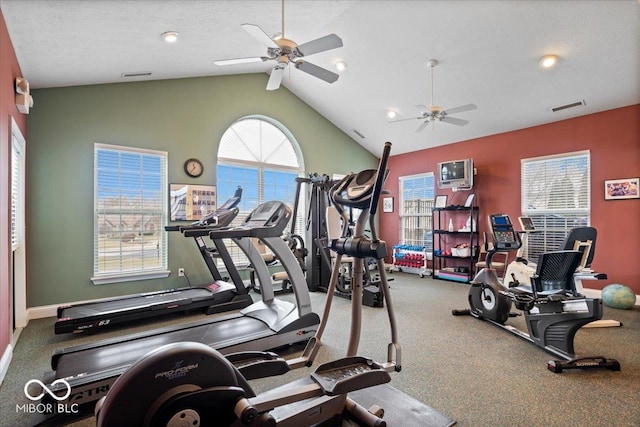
(186, 118)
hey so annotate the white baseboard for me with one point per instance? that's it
(592, 293)
(43, 311)
(5, 361)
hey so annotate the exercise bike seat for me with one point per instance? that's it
(554, 275)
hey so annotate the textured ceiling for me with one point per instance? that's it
(488, 53)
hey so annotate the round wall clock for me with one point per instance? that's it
(193, 168)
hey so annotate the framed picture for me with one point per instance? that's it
(441, 201)
(469, 201)
(387, 204)
(618, 189)
(189, 202)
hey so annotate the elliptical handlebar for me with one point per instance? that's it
(382, 174)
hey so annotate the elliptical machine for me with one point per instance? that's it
(554, 310)
(192, 384)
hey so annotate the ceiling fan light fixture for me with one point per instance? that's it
(170, 36)
(548, 61)
(340, 65)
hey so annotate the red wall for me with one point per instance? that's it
(9, 70)
(612, 137)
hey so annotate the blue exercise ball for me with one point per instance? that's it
(618, 296)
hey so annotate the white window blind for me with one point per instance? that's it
(130, 208)
(17, 189)
(416, 202)
(260, 155)
(556, 195)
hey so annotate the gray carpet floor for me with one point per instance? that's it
(467, 370)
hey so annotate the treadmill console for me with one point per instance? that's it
(225, 213)
(270, 218)
(503, 235)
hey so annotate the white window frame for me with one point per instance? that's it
(261, 167)
(18, 301)
(17, 189)
(124, 275)
(540, 177)
(415, 213)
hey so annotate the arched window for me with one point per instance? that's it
(260, 155)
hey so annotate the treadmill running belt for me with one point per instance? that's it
(124, 354)
(134, 303)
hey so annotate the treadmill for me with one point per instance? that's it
(216, 297)
(91, 369)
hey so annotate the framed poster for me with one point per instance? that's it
(189, 202)
(387, 204)
(618, 189)
(441, 201)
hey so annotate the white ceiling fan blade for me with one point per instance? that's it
(276, 77)
(406, 119)
(423, 125)
(234, 61)
(259, 35)
(316, 71)
(462, 109)
(422, 108)
(328, 42)
(454, 121)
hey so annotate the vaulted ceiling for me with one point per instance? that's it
(488, 54)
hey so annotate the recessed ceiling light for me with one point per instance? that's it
(548, 61)
(170, 36)
(340, 65)
(392, 114)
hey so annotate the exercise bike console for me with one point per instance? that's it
(504, 236)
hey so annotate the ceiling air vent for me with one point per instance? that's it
(137, 74)
(358, 133)
(580, 103)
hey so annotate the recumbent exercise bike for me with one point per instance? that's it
(553, 309)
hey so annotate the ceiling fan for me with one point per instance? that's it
(434, 113)
(286, 51)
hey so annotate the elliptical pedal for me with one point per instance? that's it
(349, 374)
(258, 364)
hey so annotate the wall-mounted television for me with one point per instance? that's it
(456, 174)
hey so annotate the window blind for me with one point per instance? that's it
(130, 212)
(555, 193)
(416, 202)
(261, 156)
(17, 190)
